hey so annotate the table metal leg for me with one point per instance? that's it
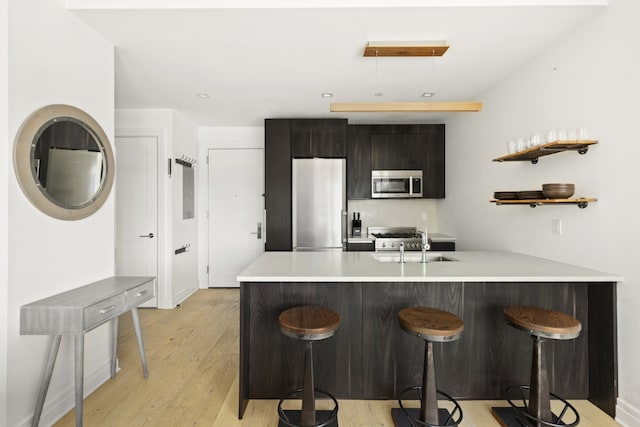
(54, 345)
(79, 356)
(136, 326)
(114, 346)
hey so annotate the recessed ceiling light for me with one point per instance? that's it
(202, 95)
(428, 94)
(326, 95)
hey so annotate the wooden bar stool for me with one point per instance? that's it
(541, 324)
(309, 324)
(432, 325)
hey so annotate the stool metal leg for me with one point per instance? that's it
(539, 401)
(429, 403)
(308, 416)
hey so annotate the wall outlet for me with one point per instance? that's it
(556, 226)
(424, 216)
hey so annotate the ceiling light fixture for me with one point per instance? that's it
(202, 95)
(326, 95)
(431, 49)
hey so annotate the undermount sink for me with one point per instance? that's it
(410, 257)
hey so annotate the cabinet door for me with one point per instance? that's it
(359, 166)
(277, 184)
(392, 152)
(318, 138)
(433, 172)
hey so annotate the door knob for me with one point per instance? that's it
(150, 235)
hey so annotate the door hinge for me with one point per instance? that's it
(207, 159)
(207, 269)
(169, 168)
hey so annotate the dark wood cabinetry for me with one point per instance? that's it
(358, 165)
(318, 138)
(284, 140)
(277, 184)
(391, 147)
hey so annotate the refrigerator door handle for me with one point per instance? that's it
(345, 216)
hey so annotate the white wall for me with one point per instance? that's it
(185, 265)
(208, 139)
(5, 150)
(53, 58)
(589, 78)
(177, 278)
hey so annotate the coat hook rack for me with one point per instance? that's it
(186, 161)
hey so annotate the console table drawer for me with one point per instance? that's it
(105, 310)
(142, 293)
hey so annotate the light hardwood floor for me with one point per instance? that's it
(192, 353)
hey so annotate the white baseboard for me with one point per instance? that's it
(56, 406)
(627, 414)
(183, 295)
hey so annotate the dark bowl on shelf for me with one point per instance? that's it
(536, 194)
(505, 195)
(558, 191)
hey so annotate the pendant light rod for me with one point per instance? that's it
(405, 107)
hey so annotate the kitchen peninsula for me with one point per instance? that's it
(371, 358)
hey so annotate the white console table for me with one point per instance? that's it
(75, 313)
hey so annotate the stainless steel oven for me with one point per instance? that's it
(388, 184)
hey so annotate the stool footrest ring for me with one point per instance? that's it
(522, 410)
(331, 419)
(450, 421)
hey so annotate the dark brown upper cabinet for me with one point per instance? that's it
(392, 147)
(318, 138)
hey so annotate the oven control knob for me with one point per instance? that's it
(393, 245)
(384, 245)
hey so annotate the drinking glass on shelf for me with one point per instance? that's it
(535, 140)
(521, 144)
(512, 146)
(551, 135)
(582, 133)
(562, 135)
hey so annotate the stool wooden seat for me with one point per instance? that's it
(541, 324)
(309, 324)
(432, 325)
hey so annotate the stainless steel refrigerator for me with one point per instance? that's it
(319, 217)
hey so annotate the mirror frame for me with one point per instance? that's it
(31, 128)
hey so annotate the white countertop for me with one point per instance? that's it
(481, 266)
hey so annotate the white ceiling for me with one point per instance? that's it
(276, 61)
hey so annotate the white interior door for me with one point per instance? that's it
(236, 206)
(137, 208)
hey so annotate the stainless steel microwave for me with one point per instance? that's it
(390, 184)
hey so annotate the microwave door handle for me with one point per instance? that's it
(410, 185)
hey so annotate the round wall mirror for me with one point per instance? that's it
(64, 162)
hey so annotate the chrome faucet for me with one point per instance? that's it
(401, 252)
(425, 246)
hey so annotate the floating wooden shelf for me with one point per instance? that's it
(581, 202)
(532, 154)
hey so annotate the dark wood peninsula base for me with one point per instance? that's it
(370, 357)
